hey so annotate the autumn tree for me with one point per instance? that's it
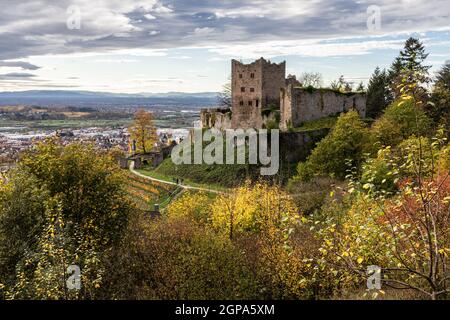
(143, 131)
(67, 206)
(262, 219)
(406, 234)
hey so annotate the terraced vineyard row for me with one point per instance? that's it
(144, 193)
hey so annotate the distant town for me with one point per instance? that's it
(23, 126)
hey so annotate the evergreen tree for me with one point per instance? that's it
(412, 57)
(443, 77)
(394, 76)
(378, 96)
(439, 108)
(409, 69)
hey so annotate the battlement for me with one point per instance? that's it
(260, 62)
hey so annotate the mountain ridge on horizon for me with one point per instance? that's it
(100, 94)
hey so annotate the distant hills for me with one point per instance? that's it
(106, 99)
(94, 94)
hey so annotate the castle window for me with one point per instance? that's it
(252, 89)
(257, 102)
(241, 103)
(252, 75)
(242, 89)
(240, 75)
(250, 103)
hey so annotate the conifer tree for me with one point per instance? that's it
(439, 108)
(408, 69)
(378, 96)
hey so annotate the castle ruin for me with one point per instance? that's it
(262, 98)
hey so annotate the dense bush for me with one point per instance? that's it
(401, 120)
(348, 141)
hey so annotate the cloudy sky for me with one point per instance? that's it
(178, 45)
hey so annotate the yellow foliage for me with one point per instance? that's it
(195, 206)
(253, 208)
(143, 131)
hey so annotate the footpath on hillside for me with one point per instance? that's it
(184, 186)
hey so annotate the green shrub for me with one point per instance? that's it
(349, 140)
(401, 120)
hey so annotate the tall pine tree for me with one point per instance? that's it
(408, 69)
(378, 96)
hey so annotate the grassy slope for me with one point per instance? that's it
(215, 177)
(202, 174)
(218, 177)
(186, 181)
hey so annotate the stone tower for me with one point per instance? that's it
(254, 87)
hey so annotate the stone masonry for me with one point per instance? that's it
(261, 94)
(300, 105)
(255, 86)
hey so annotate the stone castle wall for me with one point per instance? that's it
(305, 104)
(261, 94)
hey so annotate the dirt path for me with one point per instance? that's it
(185, 187)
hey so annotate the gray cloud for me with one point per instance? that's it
(19, 64)
(38, 27)
(16, 76)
